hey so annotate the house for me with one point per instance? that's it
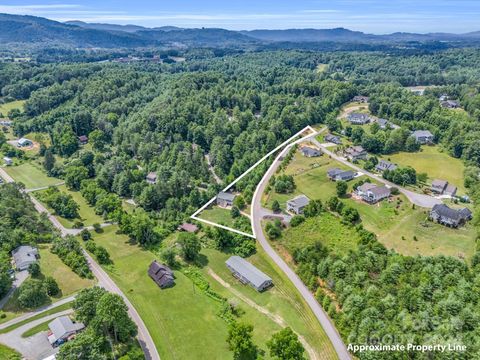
(8, 161)
(356, 153)
(336, 174)
(61, 329)
(5, 123)
(444, 215)
(361, 99)
(423, 136)
(151, 178)
(385, 165)
(385, 124)
(23, 142)
(442, 187)
(225, 199)
(297, 204)
(358, 118)
(161, 274)
(191, 228)
(333, 139)
(24, 256)
(372, 193)
(83, 139)
(308, 151)
(443, 97)
(247, 273)
(450, 104)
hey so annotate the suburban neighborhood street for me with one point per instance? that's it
(145, 340)
(320, 314)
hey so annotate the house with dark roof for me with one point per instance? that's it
(308, 151)
(355, 153)
(385, 165)
(61, 329)
(423, 136)
(443, 97)
(450, 104)
(247, 273)
(297, 204)
(333, 139)
(225, 199)
(23, 142)
(447, 216)
(358, 118)
(187, 227)
(337, 174)
(151, 178)
(161, 274)
(442, 187)
(83, 139)
(385, 124)
(361, 99)
(372, 193)
(24, 256)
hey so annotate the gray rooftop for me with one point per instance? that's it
(422, 133)
(306, 150)
(299, 201)
(445, 211)
(24, 253)
(380, 190)
(63, 325)
(247, 270)
(225, 196)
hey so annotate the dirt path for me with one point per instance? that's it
(274, 317)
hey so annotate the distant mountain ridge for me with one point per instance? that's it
(37, 30)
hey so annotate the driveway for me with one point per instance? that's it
(20, 277)
(257, 215)
(421, 200)
(35, 347)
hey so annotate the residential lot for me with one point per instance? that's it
(31, 174)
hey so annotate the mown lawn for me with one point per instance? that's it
(282, 300)
(5, 108)
(182, 320)
(438, 165)
(221, 216)
(36, 329)
(67, 280)
(31, 175)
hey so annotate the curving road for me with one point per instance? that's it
(257, 215)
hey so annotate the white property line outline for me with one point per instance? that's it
(287, 145)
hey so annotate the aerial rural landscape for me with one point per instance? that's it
(212, 182)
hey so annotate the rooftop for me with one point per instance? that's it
(64, 325)
(300, 200)
(247, 270)
(226, 196)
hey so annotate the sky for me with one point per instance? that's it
(371, 16)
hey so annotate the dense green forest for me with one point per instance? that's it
(165, 118)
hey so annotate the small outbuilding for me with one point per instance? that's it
(187, 227)
(225, 199)
(24, 256)
(83, 139)
(297, 204)
(8, 161)
(161, 274)
(61, 329)
(248, 274)
(151, 178)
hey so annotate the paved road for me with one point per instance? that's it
(144, 338)
(20, 277)
(322, 317)
(44, 187)
(421, 200)
(35, 347)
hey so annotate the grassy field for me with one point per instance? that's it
(8, 354)
(326, 228)
(52, 311)
(181, 319)
(281, 300)
(31, 175)
(86, 212)
(5, 108)
(397, 225)
(436, 164)
(220, 215)
(67, 280)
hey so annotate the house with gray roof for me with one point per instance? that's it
(308, 151)
(385, 124)
(361, 99)
(423, 136)
(248, 274)
(358, 118)
(355, 153)
(23, 142)
(372, 193)
(385, 165)
(333, 139)
(24, 256)
(8, 161)
(337, 174)
(297, 204)
(62, 328)
(151, 178)
(161, 274)
(442, 187)
(225, 199)
(450, 104)
(447, 216)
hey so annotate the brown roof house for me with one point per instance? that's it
(161, 274)
(83, 139)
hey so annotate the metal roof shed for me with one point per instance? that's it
(247, 273)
